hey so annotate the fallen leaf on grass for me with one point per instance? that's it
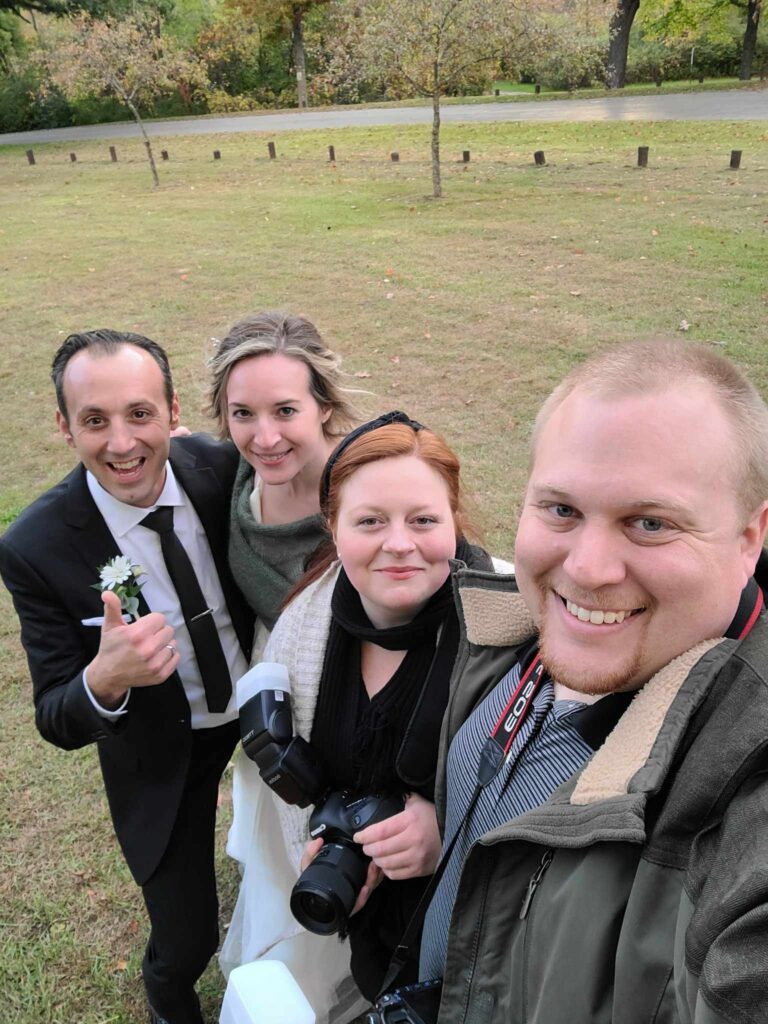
(575, 293)
(684, 326)
(133, 927)
(395, 360)
(121, 965)
(427, 335)
(362, 374)
(390, 295)
(654, 232)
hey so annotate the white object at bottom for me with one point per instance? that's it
(265, 993)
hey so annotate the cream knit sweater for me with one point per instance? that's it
(298, 641)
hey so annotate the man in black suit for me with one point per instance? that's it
(145, 688)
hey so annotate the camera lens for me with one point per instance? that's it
(325, 894)
(316, 908)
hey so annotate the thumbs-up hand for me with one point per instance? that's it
(113, 612)
(140, 653)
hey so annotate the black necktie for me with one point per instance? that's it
(197, 615)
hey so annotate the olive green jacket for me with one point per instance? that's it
(645, 876)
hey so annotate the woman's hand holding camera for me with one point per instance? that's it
(374, 876)
(408, 844)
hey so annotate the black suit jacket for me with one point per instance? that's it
(48, 559)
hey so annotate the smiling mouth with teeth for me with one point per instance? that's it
(127, 467)
(597, 617)
(273, 457)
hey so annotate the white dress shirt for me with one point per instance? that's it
(142, 546)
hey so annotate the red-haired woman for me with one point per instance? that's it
(369, 637)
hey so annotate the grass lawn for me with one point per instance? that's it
(517, 92)
(463, 312)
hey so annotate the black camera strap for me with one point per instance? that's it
(492, 757)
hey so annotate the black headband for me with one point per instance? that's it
(365, 428)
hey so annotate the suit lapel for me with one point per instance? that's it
(210, 501)
(90, 535)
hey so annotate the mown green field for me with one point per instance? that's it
(463, 312)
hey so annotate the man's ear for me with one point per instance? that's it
(753, 537)
(175, 411)
(63, 426)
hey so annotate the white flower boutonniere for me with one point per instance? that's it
(121, 576)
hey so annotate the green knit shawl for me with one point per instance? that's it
(266, 560)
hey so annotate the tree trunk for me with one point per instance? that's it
(299, 58)
(618, 41)
(437, 187)
(147, 143)
(750, 40)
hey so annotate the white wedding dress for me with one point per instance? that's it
(262, 925)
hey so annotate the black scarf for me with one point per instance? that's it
(388, 743)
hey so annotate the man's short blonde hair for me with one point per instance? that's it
(664, 365)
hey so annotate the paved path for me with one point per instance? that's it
(734, 105)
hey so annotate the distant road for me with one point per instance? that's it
(733, 105)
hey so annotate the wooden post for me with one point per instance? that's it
(73, 158)
(642, 156)
(395, 158)
(537, 89)
(539, 158)
(217, 154)
(164, 154)
(113, 154)
(497, 92)
(272, 150)
(735, 159)
(30, 158)
(465, 156)
(332, 154)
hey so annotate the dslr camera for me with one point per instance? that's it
(411, 1004)
(326, 892)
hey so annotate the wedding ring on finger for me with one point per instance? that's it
(172, 649)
